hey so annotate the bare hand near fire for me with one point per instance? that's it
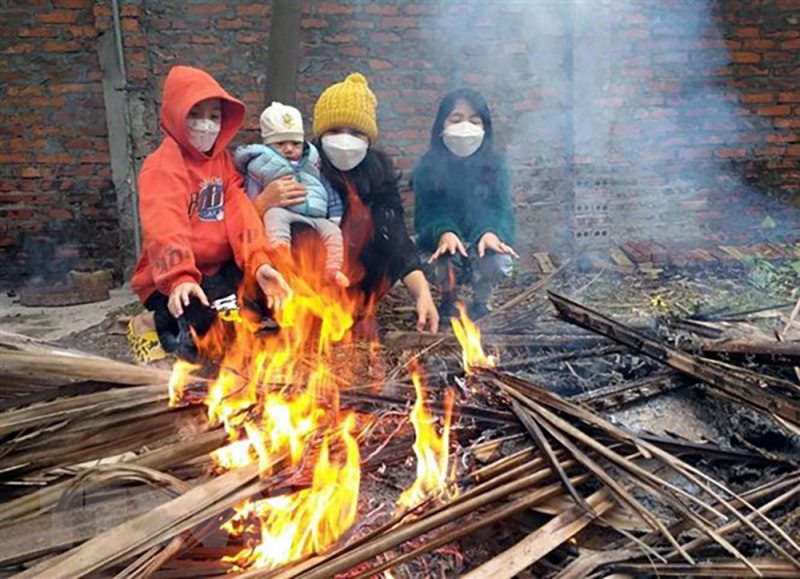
(491, 241)
(449, 243)
(281, 192)
(427, 314)
(275, 288)
(182, 295)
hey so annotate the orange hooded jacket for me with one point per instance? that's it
(194, 212)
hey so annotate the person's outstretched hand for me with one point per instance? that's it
(281, 192)
(491, 241)
(180, 297)
(275, 288)
(449, 243)
(427, 314)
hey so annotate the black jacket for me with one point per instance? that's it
(379, 251)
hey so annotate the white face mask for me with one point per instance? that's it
(344, 150)
(203, 133)
(463, 139)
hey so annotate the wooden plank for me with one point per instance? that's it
(723, 568)
(57, 530)
(750, 392)
(545, 263)
(542, 541)
(621, 260)
(154, 527)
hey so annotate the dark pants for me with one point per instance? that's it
(174, 334)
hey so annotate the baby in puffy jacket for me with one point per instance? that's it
(286, 152)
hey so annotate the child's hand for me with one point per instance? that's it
(282, 192)
(274, 286)
(491, 241)
(182, 294)
(449, 243)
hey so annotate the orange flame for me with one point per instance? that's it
(177, 381)
(275, 395)
(434, 477)
(311, 520)
(469, 336)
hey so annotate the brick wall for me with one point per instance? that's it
(661, 119)
(57, 205)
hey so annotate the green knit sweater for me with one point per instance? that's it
(456, 196)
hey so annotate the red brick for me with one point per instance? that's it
(235, 24)
(73, 3)
(54, 158)
(314, 23)
(387, 37)
(47, 102)
(793, 151)
(775, 111)
(398, 22)
(203, 39)
(750, 70)
(96, 157)
(731, 153)
(749, 32)
(62, 46)
(14, 158)
(667, 87)
(129, 10)
(255, 9)
(331, 8)
(758, 44)
(376, 64)
(779, 57)
(771, 151)
(89, 32)
(758, 98)
(58, 16)
(789, 97)
(129, 24)
(791, 45)
(382, 9)
(419, 9)
(249, 38)
(783, 138)
(29, 90)
(342, 38)
(33, 172)
(39, 32)
(355, 51)
(745, 57)
(19, 48)
(60, 213)
(207, 9)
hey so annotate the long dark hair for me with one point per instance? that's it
(484, 162)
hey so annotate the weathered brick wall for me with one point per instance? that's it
(684, 122)
(662, 119)
(57, 205)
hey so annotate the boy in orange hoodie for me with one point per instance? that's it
(202, 235)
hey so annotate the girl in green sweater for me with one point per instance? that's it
(462, 203)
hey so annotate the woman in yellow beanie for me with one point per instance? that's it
(379, 251)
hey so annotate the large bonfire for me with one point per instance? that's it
(277, 394)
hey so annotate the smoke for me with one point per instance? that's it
(616, 116)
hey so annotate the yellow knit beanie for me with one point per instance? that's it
(349, 104)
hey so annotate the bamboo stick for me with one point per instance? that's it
(543, 540)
